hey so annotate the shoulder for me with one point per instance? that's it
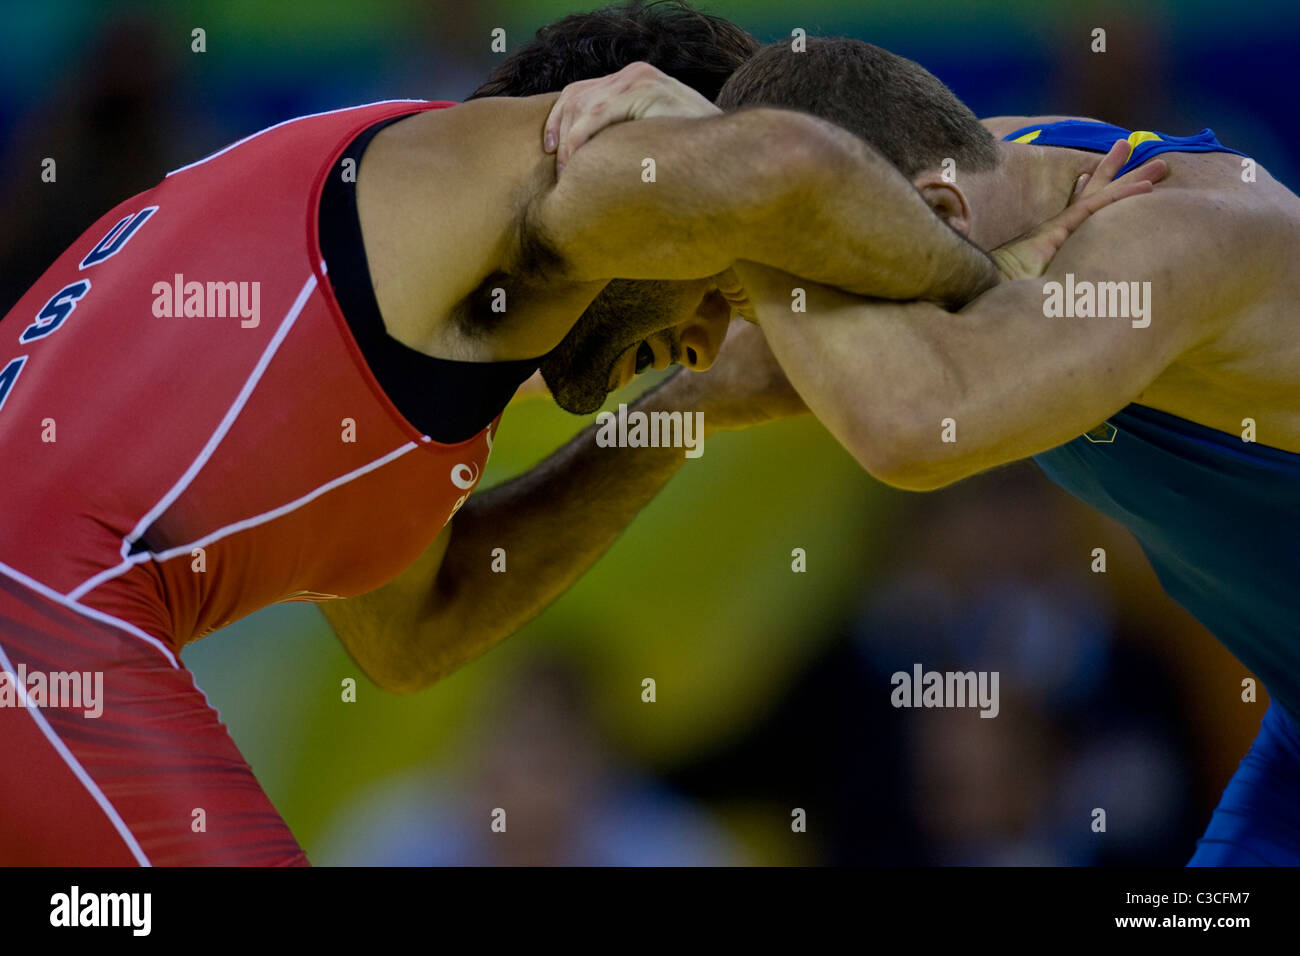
(1201, 205)
(442, 197)
(483, 166)
(490, 115)
(493, 136)
(1209, 254)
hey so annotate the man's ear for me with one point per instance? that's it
(947, 201)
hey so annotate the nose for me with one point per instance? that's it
(701, 337)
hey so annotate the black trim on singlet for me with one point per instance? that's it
(447, 400)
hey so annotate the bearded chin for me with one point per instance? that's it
(577, 371)
(579, 394)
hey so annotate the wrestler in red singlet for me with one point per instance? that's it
(166, 474)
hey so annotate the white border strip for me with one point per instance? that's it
(231, 414)
(252, 136)
(284, 509)
(74, 605)
(141, 557)
(88, 585)
(77, 769)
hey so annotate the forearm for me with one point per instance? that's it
(864, 367)
(775, 187)
(923, 397)
(551, 524)
(852, 221)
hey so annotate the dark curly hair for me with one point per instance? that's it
(693, 47)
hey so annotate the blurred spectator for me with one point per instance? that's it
(106, 127)
(981, 577)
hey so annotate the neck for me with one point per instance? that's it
(1029, 185)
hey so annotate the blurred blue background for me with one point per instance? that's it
(773, 686)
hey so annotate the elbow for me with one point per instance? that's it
(406, 667)
(907, 450)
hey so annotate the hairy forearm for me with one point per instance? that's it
(850, 220)
(868, 369)
(922, 397)
(552, 524)
(780, 188)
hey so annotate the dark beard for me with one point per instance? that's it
(577, 371)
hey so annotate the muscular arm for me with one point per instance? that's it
(775, 187)
(454, 200)
(554, 522)
(883, 376)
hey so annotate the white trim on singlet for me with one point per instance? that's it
(77, 769)
(126, 564)
(241, 142)
(242, 525)
(227, 422)
(284, 509)
(74, 605)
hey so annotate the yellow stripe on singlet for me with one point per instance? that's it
(1142, 136)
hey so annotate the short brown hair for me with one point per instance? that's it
(898, 106)
(694, 48)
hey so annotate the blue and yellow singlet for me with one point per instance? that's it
(1218, 516)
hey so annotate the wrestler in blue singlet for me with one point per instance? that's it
(1219, 519)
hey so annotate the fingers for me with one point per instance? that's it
(567, 108)
(562, 110)
(1029, 256)
(1075, 215)
(584, 108)
(1059, 229)
(563, 149)
(1103, 177)
(731, 289)
(1153, 170)
(578, 126)
(637, 91)
(551, 134)
(1114, 192)
(1048, 238)
(1110, 164)
(1071, 219)
(570, 109)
